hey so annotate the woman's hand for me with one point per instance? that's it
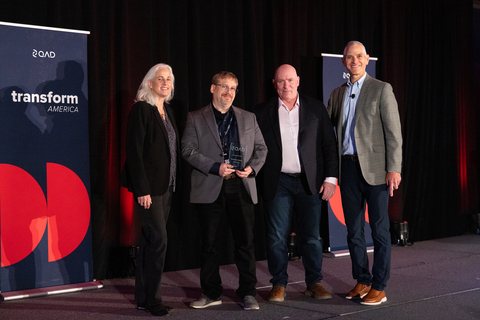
(145, 201)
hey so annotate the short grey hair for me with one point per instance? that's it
(351, 43)
(144, 92)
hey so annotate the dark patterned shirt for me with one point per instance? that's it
(172, 144)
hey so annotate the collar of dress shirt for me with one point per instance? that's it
(359, 83)
(281, 104)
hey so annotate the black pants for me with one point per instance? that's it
(235, 202)
(153, 248)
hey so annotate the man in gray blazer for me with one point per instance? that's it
(223, 185)
(365, 114)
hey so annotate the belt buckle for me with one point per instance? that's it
(293, 175)
(351, 157)
(230, 176)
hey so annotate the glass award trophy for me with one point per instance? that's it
(236, 156)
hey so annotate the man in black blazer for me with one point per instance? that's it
(300, 171)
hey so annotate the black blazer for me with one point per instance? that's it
(147, 167)
(316, 145)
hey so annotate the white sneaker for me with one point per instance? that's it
(204, 302)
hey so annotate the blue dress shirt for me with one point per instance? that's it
(352, 93)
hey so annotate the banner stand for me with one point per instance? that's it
(46, 242)
(335, 75)
(40, 292)
(343, 253)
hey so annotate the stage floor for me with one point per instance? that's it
(436, 279)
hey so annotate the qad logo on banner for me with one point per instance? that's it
(25, 212)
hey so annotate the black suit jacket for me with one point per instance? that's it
(147, 167)
(316, 145)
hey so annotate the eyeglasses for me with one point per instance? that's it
(225, 87)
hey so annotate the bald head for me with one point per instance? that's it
(286, 82)
(285, 68)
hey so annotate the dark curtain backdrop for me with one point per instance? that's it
(424, 49)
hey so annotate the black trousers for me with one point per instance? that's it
(153, 248)
(236, 204)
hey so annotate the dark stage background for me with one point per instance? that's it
(425, 50)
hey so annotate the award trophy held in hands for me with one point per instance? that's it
(236, 156)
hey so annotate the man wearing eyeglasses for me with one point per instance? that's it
(226, 149)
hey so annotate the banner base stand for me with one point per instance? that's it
(342, 253)
(39, 292)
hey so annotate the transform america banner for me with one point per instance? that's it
(45, 227)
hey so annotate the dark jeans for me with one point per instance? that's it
(235, 202)
(355, 193)
(291, 195)
(153, 248)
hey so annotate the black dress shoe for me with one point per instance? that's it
(160, 311)
(166, 308)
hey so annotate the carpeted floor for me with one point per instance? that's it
(437, 279)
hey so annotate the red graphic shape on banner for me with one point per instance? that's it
(68, 211)
(23, 212)
(129, 228)
(337, 208)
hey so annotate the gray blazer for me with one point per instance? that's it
(201, 147)
(378, 133)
